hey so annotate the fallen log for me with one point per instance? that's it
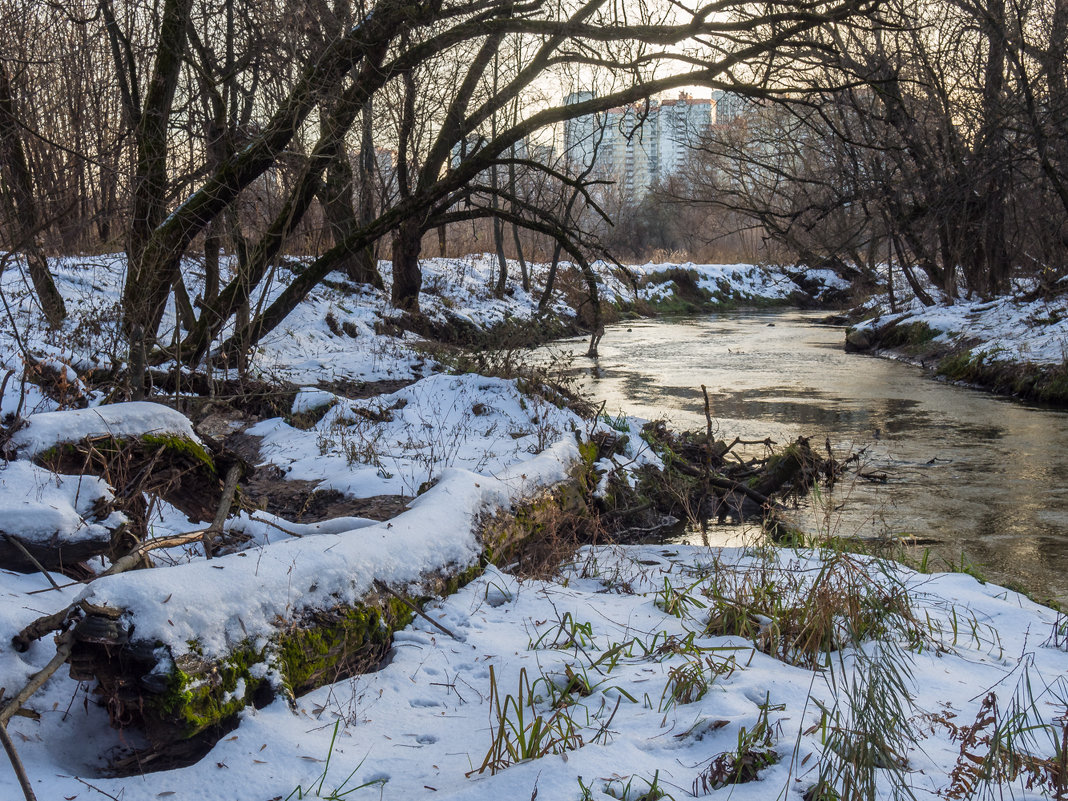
(788, 467)
(137, 448)
(53, 522)
(180, 651)
(54, 553)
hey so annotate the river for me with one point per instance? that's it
(982, 476)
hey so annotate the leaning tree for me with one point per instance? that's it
(239, 122)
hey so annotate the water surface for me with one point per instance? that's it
(982, 475)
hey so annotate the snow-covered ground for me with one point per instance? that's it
(332, 335)
(732, 283)
(637, 671)
(612, 679)
(1005, 329)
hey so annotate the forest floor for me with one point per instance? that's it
(629, 672)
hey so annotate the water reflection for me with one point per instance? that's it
(981, 474)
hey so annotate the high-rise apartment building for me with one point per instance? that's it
(643, 144)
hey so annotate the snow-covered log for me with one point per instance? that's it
(189, 647)
(137, 447)
(53, 520)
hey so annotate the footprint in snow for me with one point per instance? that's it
(496, 596)
(424, 702)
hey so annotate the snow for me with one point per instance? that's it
(633, 621)
(137, 418)
(738, 282)
(321, 571)
(37, 505)
(305, 349)
(419, 727)
(398, 442)
(1005, 329)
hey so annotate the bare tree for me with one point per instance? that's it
(243, 145)
(25, 222)
(931, 136)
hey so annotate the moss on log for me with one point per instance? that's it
(179, 470)
(173, 699)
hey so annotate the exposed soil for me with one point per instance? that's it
(299, 501)
(267, 488)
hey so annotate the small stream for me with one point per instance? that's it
(984, 476)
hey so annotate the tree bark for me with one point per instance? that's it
(24, 216)
(365, 256)
(151, 273)
(407, 277)
(523, 272)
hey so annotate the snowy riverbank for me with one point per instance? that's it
(1014, 345)
(683, 669)
(634, 672)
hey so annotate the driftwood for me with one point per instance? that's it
(796, 464)
(705, 476)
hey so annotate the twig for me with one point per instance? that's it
(16, 763)
(267, 522)
(735, 486)
(94, 787)
(216, 527)
(708, 416)
(40, 627)
(60, 587)
(385, 588)
(721, 482)
(64, 644)
(18, 544)
(132, 558)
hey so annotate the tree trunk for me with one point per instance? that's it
(992, 233)
(336, 198)
(151, 270)
(498, 244)
(24, 218)
(407, 278)
(365, 256)
(550, 279)
(594, 299)
(525, 277)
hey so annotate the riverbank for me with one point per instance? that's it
(1014, 345)
(624, 672)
